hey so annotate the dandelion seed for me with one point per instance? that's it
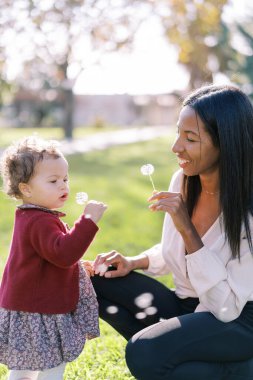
(101, 269)
(148, 169)
(81, 198)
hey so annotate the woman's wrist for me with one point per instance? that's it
(192, 241)
(138, 262)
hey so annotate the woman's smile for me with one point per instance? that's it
(183, 162)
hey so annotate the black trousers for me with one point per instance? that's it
(167, 340)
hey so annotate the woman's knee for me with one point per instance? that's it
(145, 363)
(136, 359)
(142, 360)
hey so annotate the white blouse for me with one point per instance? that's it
(222, 284)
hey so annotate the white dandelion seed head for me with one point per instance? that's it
(102, 268)
(147, 169)
(81, 198)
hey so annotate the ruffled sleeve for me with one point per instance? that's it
(223, 286)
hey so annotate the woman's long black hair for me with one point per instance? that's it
(227, 114)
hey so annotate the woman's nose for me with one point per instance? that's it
(177, 147)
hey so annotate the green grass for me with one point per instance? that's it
(8, 135)
(112, 176)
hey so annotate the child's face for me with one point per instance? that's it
(49, 185)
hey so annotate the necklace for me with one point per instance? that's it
(211, 193)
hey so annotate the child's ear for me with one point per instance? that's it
(25, 190)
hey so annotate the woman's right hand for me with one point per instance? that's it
(95, 210)
(123, 265)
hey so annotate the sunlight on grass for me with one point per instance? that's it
(112, 176)
(102, 358)
(8, 135)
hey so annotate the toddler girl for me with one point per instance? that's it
(48, 307)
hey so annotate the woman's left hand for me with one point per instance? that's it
(173, 204)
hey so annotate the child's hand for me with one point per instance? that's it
(88, 266)
(95, 210)
(90, 269)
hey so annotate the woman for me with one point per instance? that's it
(204, 329)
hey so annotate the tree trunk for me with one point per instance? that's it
(68, 104)
(199, 77)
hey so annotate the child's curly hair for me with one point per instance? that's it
(19, 160)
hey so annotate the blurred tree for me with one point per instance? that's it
(43, 43)
(206, 43)
(6, 89)
(234, 52)
(246, 31)
(194, 28)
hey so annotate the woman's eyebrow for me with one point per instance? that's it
(192, 132)
(188, 131)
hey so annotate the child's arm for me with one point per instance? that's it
(63, 248)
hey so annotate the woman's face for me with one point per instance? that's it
(193, 146)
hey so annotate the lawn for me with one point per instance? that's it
(113, 176)
(8, 135)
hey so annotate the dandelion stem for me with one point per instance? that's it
(152, 182)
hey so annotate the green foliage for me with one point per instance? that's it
(112, 176)
(246, 64)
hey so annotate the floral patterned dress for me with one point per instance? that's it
(34, 341)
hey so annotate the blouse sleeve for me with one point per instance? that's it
(223, 288)
(157, 265)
